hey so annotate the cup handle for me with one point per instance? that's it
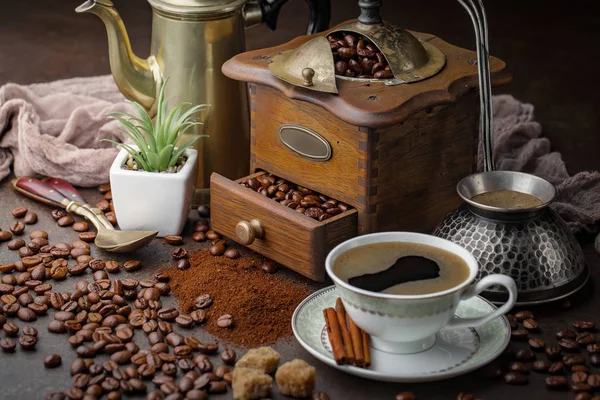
(473, 290)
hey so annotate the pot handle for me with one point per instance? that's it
(40, 191)
(474, 290)
(320, 14)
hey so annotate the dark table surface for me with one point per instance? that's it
(23, 376)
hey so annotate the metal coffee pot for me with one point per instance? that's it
(191, 39)
(532, 245)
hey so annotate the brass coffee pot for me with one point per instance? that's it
(191, 39)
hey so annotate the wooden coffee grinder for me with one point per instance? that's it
(393, 148)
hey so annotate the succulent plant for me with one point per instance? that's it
(157, 140)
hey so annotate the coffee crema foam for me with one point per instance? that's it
(378, 257)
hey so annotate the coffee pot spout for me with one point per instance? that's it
(137, 78)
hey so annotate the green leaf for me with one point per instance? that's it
(184, 118)
(165, 157)
(170, 123)
(184, 128)
(140, 139)
(153, 160)
(144, 117)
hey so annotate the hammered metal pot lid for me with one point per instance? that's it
(410, 59)
(315, 56)
(197, 7)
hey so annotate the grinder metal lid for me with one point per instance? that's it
(312, 65)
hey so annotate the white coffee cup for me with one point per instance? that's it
(407, 324)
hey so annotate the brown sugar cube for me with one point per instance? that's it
(264, 359)
(296, 378)
(250, 383)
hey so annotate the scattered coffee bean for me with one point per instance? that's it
(573, 359)
(11, 329)
(525, 355)
(552, 352)
(81, 226)
(593, 348)
(531, 324)
(8, 345)
(15, 244)
(568, 345)
(199, 236)
(5, 236)
(179, 253)
(324, 396)
(540, 365)
(585, 396)
(566, 333)
(580, 387)
(583, 325)
(199, 316)
(132, 265)
(523, 315)
(17, 228)
(557, 368)
(518, 366)
(585, 338)
(174, 240)
(269, 266)
(595, 359)
(52, 361)
(87, 236)
(28, 342)
(556, 382)
(225, 321)
(594, 380)
(579, 368)
(185, 321)
(19, 212)
(204, 211)
(232, 253)
(30, 218)
(217, 249)
(579, 377)
(67, 220)
(183, 264)
(168, 314)
(537, 344)
(203, 301)
(519, 334)
(515, 378)
(403, 396)
(228, 356)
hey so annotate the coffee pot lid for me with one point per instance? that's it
(203, 7)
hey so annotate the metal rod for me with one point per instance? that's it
(477, 13)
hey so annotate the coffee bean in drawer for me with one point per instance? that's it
(301, 199)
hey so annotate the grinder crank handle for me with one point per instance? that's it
(320, 14)
(67, 190)
(47, 194)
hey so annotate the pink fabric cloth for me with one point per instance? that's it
(55, 129)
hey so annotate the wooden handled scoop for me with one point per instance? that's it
(59, 193)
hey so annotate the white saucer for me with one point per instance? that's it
(455, 352)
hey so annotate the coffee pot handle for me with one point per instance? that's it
(320, 14)
(474, 290)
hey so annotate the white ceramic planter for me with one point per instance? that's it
(151, 200)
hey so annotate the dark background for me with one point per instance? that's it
(550, 46)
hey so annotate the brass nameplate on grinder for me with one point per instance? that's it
(305, 142)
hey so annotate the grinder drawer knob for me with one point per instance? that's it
(247, 232)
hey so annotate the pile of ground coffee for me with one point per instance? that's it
(261, 304)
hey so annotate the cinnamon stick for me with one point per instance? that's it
(335, 336)
(366, 351)
(341, 317)
(359, 355)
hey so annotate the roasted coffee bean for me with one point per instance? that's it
(58, 214)
(540, 365)
(111, 217)
(30, 218)
(173, 239)
(217, 387)
(185, 321)
(179, 253)
(552, 352)
(132, 265)
(525, 355)
(569, 345)
(580, 387)
(19, 212)
(579, 377)
(225, 321)
(15, 244)
(531, 324)
(585, 338)
(11, 329)
(208, 348)
(228, 356)
(584, 325)
(17, 228)
(5, 236)
(557, 368)
(56, 326)
(594, 380)
(232, 253)
(573, 359)
(204, 211)
(519, 334)
(217, 250)
(67, 220)
(26, 252)
(593, 348)
(121, 357)
(595, 359)
(26, 315)
(523, 315)
(566, 333)
(556, 382)
(536, 344)
(269, 266)
(199, 316)
(203, 301)
(183, 264)
(81, 226)
(518, 367)
(28, 342)
(199, 236)
(52, 361)
(579, 368)
(324, 396)
(168, 314)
